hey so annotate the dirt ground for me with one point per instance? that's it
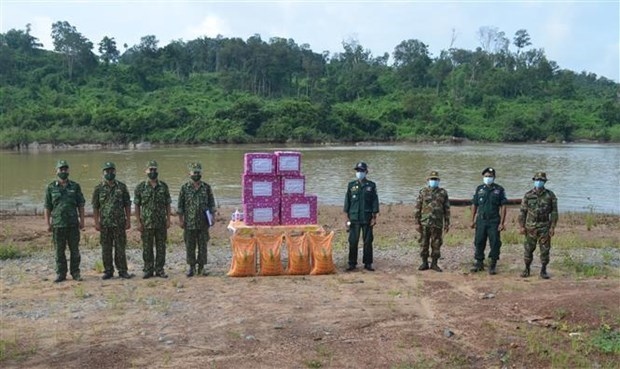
(395, 317)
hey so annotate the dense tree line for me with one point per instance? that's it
(227, 90)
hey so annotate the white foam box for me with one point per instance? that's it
(295, 210)
(288, 163)
(292, 185)
(256, 163)
(262, 213)
(256, 188)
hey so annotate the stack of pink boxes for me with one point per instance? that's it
(274, 190)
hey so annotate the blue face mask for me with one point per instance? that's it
(539, 184)
(488, 180)
(360, 175)
(433, 183)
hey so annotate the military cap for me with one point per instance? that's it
(108, 165)
(194, 167)
(151, 164)
(542, 176)
(433, 175)
(61, 163)
(489, 170)
(361, 166)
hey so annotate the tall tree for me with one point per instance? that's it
(75, 47)
(412, 62)
(521, 40)
(108, 51)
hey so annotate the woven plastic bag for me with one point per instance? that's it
(298, 254)
(321, 248)
(270, 250)
(243, 257)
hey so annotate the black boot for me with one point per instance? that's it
(492, 266)
(190, 271)
(543, 272)
(434, 265)
(526, 272)
(478, 266)
(424, 265)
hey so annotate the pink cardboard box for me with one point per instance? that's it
(292, 185)
(299, 210)
(288, 163)
(257, 188)
(262, 213)
(259, 163)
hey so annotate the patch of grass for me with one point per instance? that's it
(98, 267)
(15, 349)
(560, 313)
(80, 292)
(10, 251)
(581, 268)
(607, 340)
(313, 364)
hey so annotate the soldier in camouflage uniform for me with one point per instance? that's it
(432, 218)
(488, 217)
(537, 220)
(361, 206)
(112, 212)
(195, 198)
(64, 215)
(152, 203)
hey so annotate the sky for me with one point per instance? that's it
(577, 35)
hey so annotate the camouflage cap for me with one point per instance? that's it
(108, 165)
(433, 175)
(542, 176)
(489, 170)
(151, 164)
(62, 163)
(194, 167)
(361, 166)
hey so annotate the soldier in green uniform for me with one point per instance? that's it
(361, 206)
(488, 215)
(112, 212)
(195, 199)
(537, 220)
(152, 203)
(64, 215)
(432, 218)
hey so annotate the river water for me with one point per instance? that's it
(585, 177)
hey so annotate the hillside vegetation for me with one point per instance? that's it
(229, 90)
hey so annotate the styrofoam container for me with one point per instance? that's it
(288, 163)
(292, 185)
(296, 210)
(262, 213)
(258, 188)
(259, 163)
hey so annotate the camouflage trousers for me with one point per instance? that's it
(433, 237)
(63, 237)
(196, 239)
(154, 237)
(535, 236)
(113, 239)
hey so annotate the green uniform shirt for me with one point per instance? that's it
(432, 208)
(63, 202)
(539, 208)
(489, 199)
(194, 202)
(361, 201)
(111, 201)
(153, 202)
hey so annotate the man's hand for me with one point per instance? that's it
(551, 232)
(473, 225)
(373, 222)
(501, 227)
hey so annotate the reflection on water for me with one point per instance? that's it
(584, 176)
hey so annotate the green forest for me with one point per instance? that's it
(230, 90)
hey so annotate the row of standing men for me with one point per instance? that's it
(64, 215)
(538, 217)
(64, 204)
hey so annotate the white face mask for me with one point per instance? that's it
(488, 180)
(360, 175)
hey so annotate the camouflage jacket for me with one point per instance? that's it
(63, 203)
(361, 201)
(153, 202)
(539, 208)
(111, 201)
(432, 208)
(193, 203)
